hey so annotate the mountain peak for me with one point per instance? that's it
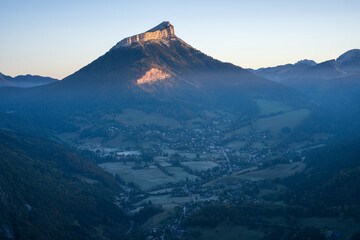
(163, 26)
(307, 62)
(163, 32)
(349, 56)
(350, 61)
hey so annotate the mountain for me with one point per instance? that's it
(4, 80)
(158, 60)
(339, 94)
(333, 85)
(282, 72)
(25, 81)
(345, 64)
(152, 71)
(350, 61)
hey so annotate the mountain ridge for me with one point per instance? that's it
(162, 32)
(346, 63)
(25, 81)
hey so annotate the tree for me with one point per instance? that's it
(286, 130)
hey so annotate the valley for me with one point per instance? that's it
(156, 140)
(183, 166)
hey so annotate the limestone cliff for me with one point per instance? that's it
(153, 75)
(164, 32)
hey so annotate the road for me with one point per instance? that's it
(228, 161)
(131, 227)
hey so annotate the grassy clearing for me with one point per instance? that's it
(165, 200)
(136, 117)
(146, 178)
(242, 131)
(200, 165)
(259, 146)
(169, 151)
(269, 107)
(253, 174)
(169, 210)
(191, 155)
(322, 136)
(276, 123)
(227, 180)
(237, 144)
(277, 171)
(163, 161)
(121, 141)
(179, 174)
(202, 156)
(148, 144)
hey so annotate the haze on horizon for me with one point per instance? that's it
(53, 38)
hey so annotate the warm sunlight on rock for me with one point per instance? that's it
(161, 33)
(153, 75)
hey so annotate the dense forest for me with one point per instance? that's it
(325, 183)
(43, 196)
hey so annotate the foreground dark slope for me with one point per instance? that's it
(331, 183)
(42, 195)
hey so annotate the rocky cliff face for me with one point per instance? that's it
(161, 33)
(153, 75)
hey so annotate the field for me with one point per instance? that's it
(169, 151)
(165, 199)
(179, 174)
(277, 171)
(169, 210)
(136, 117)
(276, 123)
(200, 165)
(253, 174)
(188, 154)
(146, 178)
(129, 153)
(121, 141)
(269, 107)
(162, 161)
(192, 155)
(149, 177)
(243, 131)
(259, 146)
(237, 144)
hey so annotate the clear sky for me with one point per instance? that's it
(56, 38)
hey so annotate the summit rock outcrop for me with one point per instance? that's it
(161, 33)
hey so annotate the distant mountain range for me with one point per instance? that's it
(346, 64)
(333, 84)
(25, 81)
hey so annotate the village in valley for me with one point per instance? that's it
(174, 169)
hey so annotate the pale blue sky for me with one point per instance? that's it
(56, 38)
